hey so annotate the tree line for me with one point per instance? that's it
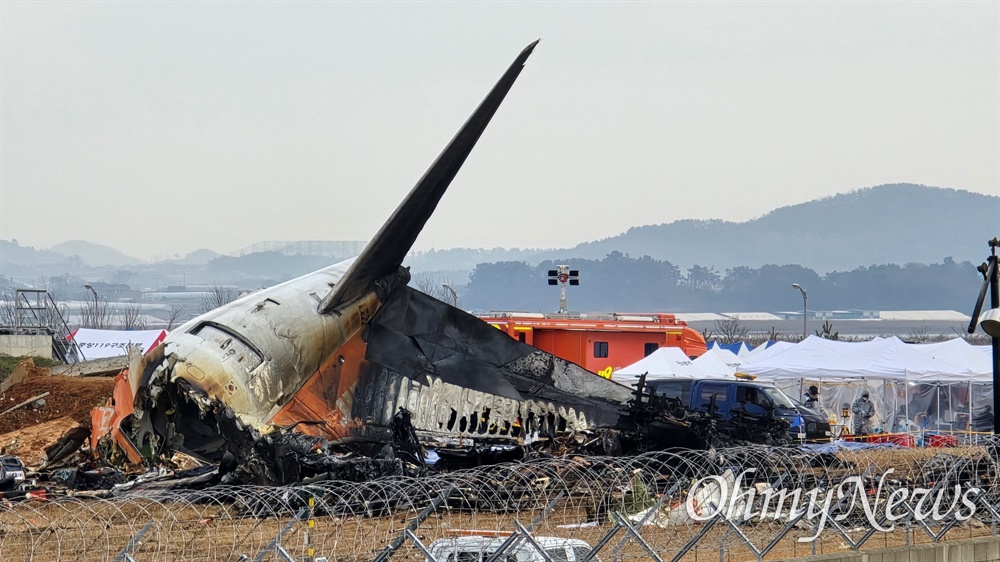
(620, 283)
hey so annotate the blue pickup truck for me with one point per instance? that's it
(754, 398)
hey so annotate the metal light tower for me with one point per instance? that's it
(562, 275)
(805, 310)
(990, 320)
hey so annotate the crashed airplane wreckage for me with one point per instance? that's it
(349, 362)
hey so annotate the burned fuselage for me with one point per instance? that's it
(269, 363)
(350, 354)
(249, 356)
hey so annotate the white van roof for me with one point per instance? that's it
(441, 548)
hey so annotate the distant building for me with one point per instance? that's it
(852, 314)
(334, 248)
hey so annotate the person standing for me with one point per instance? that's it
(863, 410)
(812, 396)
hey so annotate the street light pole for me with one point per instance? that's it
(454, 295)
(93, 290)
(805, 310)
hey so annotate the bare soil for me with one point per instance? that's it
(72, 397)
(29, 443)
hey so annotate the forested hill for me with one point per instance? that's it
(620, 282)
(898, 223)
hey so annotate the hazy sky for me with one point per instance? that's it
(160, 128)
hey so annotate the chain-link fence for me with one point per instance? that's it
(680, 505)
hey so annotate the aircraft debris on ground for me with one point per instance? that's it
(348, 373)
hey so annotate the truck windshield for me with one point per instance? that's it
(778, 398)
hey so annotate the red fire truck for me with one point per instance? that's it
(599, 342)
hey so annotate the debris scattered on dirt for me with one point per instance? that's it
(30, 441)
(71, 397)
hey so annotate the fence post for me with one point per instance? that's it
(638, 537)
(513, 538)
(652, 512)
(310, 525)
(412, 526)
(124, 555)
(275, 545)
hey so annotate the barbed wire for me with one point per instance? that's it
(571, 497)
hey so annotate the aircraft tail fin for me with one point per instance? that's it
(385, 253)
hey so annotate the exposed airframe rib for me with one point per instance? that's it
(385, 253)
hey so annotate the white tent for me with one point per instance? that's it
(740, 351)
(718, 361)
(819, 358)
(664, 363)
(760, 352)
(908, 383)
(968, 359)
(965, 399)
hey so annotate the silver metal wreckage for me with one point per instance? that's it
(348, 373)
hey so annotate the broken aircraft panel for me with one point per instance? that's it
(345, 372)
(338, 353)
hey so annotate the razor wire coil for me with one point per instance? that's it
(356, 520)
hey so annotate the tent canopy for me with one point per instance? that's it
(664, 363)
(767, 350)
(882, 358)
(740, 348)
(963, 356)
(719, 361)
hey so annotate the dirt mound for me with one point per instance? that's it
(72, 397)
(29, 443)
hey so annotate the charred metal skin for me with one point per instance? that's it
(338, 354)
(348, 359)
(250, 356)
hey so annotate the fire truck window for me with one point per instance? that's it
(600, 349)
(522, 337)
(649, 349)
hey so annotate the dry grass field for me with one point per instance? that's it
(225, 524)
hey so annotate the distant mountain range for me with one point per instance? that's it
(898, 223)
(97, 255)
(89, 253)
